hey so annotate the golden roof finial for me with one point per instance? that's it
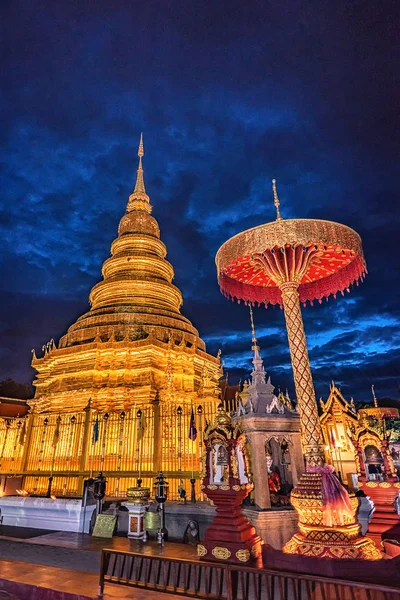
(253, 331)
(141, 147)
(373, 396)
(139, 187)
(276, 201)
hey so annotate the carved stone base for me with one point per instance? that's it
(275, 527)
(319, 540)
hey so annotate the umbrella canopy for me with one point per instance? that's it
(324, 258)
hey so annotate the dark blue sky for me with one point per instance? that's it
(228, 96)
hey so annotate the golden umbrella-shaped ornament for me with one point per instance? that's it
(289, 262)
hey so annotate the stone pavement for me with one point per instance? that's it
(65, 566)
(26, 581)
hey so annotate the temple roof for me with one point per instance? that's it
(118, 353)
(13, 407)
(337, 400)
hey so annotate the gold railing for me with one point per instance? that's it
(56, 442)
(60, 486)
(12, 438)
(124, 445)
(124, 442)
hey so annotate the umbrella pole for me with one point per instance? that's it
(312, 439)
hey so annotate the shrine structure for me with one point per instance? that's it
(117, 392)
(289, 262)
(271, 426)
(226, 482)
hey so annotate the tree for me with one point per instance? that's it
(12, 389)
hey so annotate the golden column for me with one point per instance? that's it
(312, 440)
(287, 262)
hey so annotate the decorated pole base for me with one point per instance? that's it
(137, 505)
(230, 537)
(385, 521)
(317, 539)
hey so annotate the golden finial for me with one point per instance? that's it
(141, 147)
(276, 201)
(253, 330)
(139, 187)
(373, 396)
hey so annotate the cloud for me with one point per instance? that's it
(227, 100)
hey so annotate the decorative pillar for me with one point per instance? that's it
(86, 436)
(259, 470)
(157, 433)
(312, 439)
(87, 411)
(27, 440)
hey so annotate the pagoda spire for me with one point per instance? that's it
(139, 200)
(139, 187)
(258, 374)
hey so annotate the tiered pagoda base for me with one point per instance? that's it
(319, 540)
(230, 537)
(385, 521)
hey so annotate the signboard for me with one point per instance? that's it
(104, 526)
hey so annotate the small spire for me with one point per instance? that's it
(258, 374)
(253, 331)
(373, 396)
(276, 201)
(139, 187)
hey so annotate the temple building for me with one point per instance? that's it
(338, 415)
(118, 392)
(360, 444)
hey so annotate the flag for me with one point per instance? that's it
(57, 432)
(141, 426)
(22, 435)
(192, 427)
(95, 436)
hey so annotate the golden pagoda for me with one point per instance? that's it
(118, 392)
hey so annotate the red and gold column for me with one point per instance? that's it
(312, 439)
